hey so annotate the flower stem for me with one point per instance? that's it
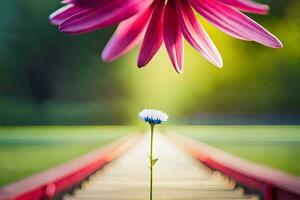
(151, 159)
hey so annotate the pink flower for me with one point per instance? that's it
(152, 22)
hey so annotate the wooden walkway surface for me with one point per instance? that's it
(176, 176)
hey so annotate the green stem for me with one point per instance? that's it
(151, 160)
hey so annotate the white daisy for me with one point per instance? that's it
(153, 116)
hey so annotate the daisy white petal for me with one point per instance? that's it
(153, 116)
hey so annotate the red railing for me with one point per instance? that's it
(274, 184)
(48, 184)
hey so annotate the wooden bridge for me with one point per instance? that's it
(177, 175)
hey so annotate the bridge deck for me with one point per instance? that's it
(176, 176)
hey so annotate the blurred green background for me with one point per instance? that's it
(47, 77)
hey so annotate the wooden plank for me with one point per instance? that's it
(176, 176)
(274, 184)
(45, 185)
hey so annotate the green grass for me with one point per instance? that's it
(27, 150)
(276, 146)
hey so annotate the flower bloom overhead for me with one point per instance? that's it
(153, 116)
(153, 22)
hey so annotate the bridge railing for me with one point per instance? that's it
(50, 183)
(273, 184)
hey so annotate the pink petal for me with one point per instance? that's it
(248, 6)
(173, 36)
(128, 34)
(110, 13)
(235, 23)
(64, 13)
(87, 3)
(153, 37)
(195, 34)
(66, 1)
(218, 23)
